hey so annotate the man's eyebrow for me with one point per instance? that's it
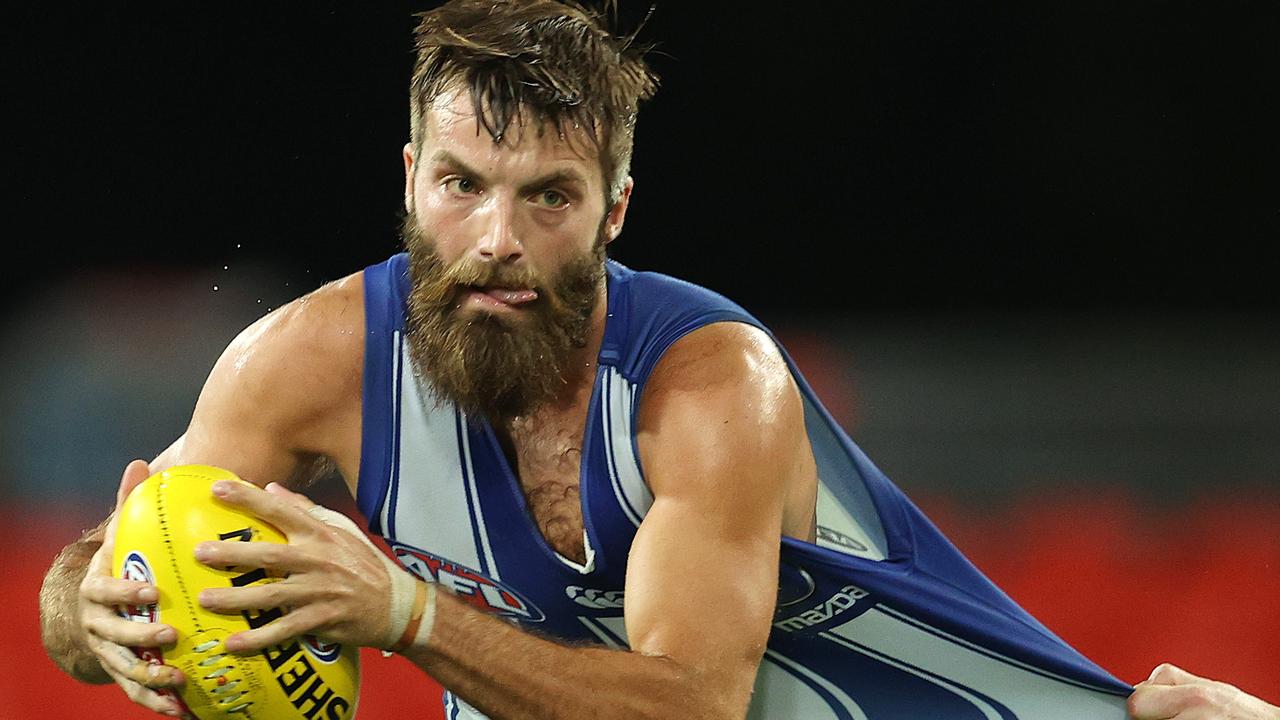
(562, 176)
(444, 157)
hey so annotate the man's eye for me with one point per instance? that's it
(551, 199)
(466, 186)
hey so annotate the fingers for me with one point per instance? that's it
(282, 512)
(1162, 702)
(105, 590)
(298, 500)
(1170, 674)
(100, 563)
(256, 597)
(134, 473)
(105, 625)
(337, 520)
(100, 594)
(124, 663)
(276, 557)
(128, 633)
(146, 697)
(299, 622)
(142, 681)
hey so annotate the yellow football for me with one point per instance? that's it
(160, 525)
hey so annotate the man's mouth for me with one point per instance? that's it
(508, 297)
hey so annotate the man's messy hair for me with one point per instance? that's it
(557, 60)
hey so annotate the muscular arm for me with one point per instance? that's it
(278, 401)
(721, 437)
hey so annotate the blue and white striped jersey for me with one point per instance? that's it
(881, 619)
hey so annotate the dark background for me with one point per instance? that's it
(1024, 253)
(809, 157)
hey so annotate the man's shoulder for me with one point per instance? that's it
(330, 318)
(313, 342)
(291, 380)
(648, 287)
(658, 310)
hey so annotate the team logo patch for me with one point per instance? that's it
(794, 585)
(136, 567)
(479, 590)
(320, 650)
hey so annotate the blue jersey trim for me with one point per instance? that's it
(943, 682)
(383, 318)
(460, 427)
(601, 629)
(451, 706)
(974, 647)
(598, 558)
(397, 394)
(614, 479)
(842, 713)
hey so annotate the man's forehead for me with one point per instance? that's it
(451, 121)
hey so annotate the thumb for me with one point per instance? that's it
(134, 473)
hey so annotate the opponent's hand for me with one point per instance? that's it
(1172, 693)
(110, 636)
(334, 574)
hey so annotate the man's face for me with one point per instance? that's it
(506, 243)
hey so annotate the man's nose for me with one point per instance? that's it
(500, 241)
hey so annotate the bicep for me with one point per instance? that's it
(701, 596)
(721, 438)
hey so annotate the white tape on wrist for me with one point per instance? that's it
(405, 589)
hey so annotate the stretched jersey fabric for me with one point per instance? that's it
(881, 619)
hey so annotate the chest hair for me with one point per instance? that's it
(547, 458)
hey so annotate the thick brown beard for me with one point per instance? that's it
(484, 363)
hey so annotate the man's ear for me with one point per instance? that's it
(618, 213)
(408, 176)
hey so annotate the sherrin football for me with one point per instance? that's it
(161, 522)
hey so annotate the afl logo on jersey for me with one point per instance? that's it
(136, 567)
(479, 590)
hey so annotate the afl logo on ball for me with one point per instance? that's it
(321, 650)
(136, 567)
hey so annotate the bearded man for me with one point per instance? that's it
(609, 492)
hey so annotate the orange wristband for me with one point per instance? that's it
(415, 618)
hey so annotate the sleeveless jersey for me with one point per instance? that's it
(881, 619)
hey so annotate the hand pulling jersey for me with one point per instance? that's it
(881, 619)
